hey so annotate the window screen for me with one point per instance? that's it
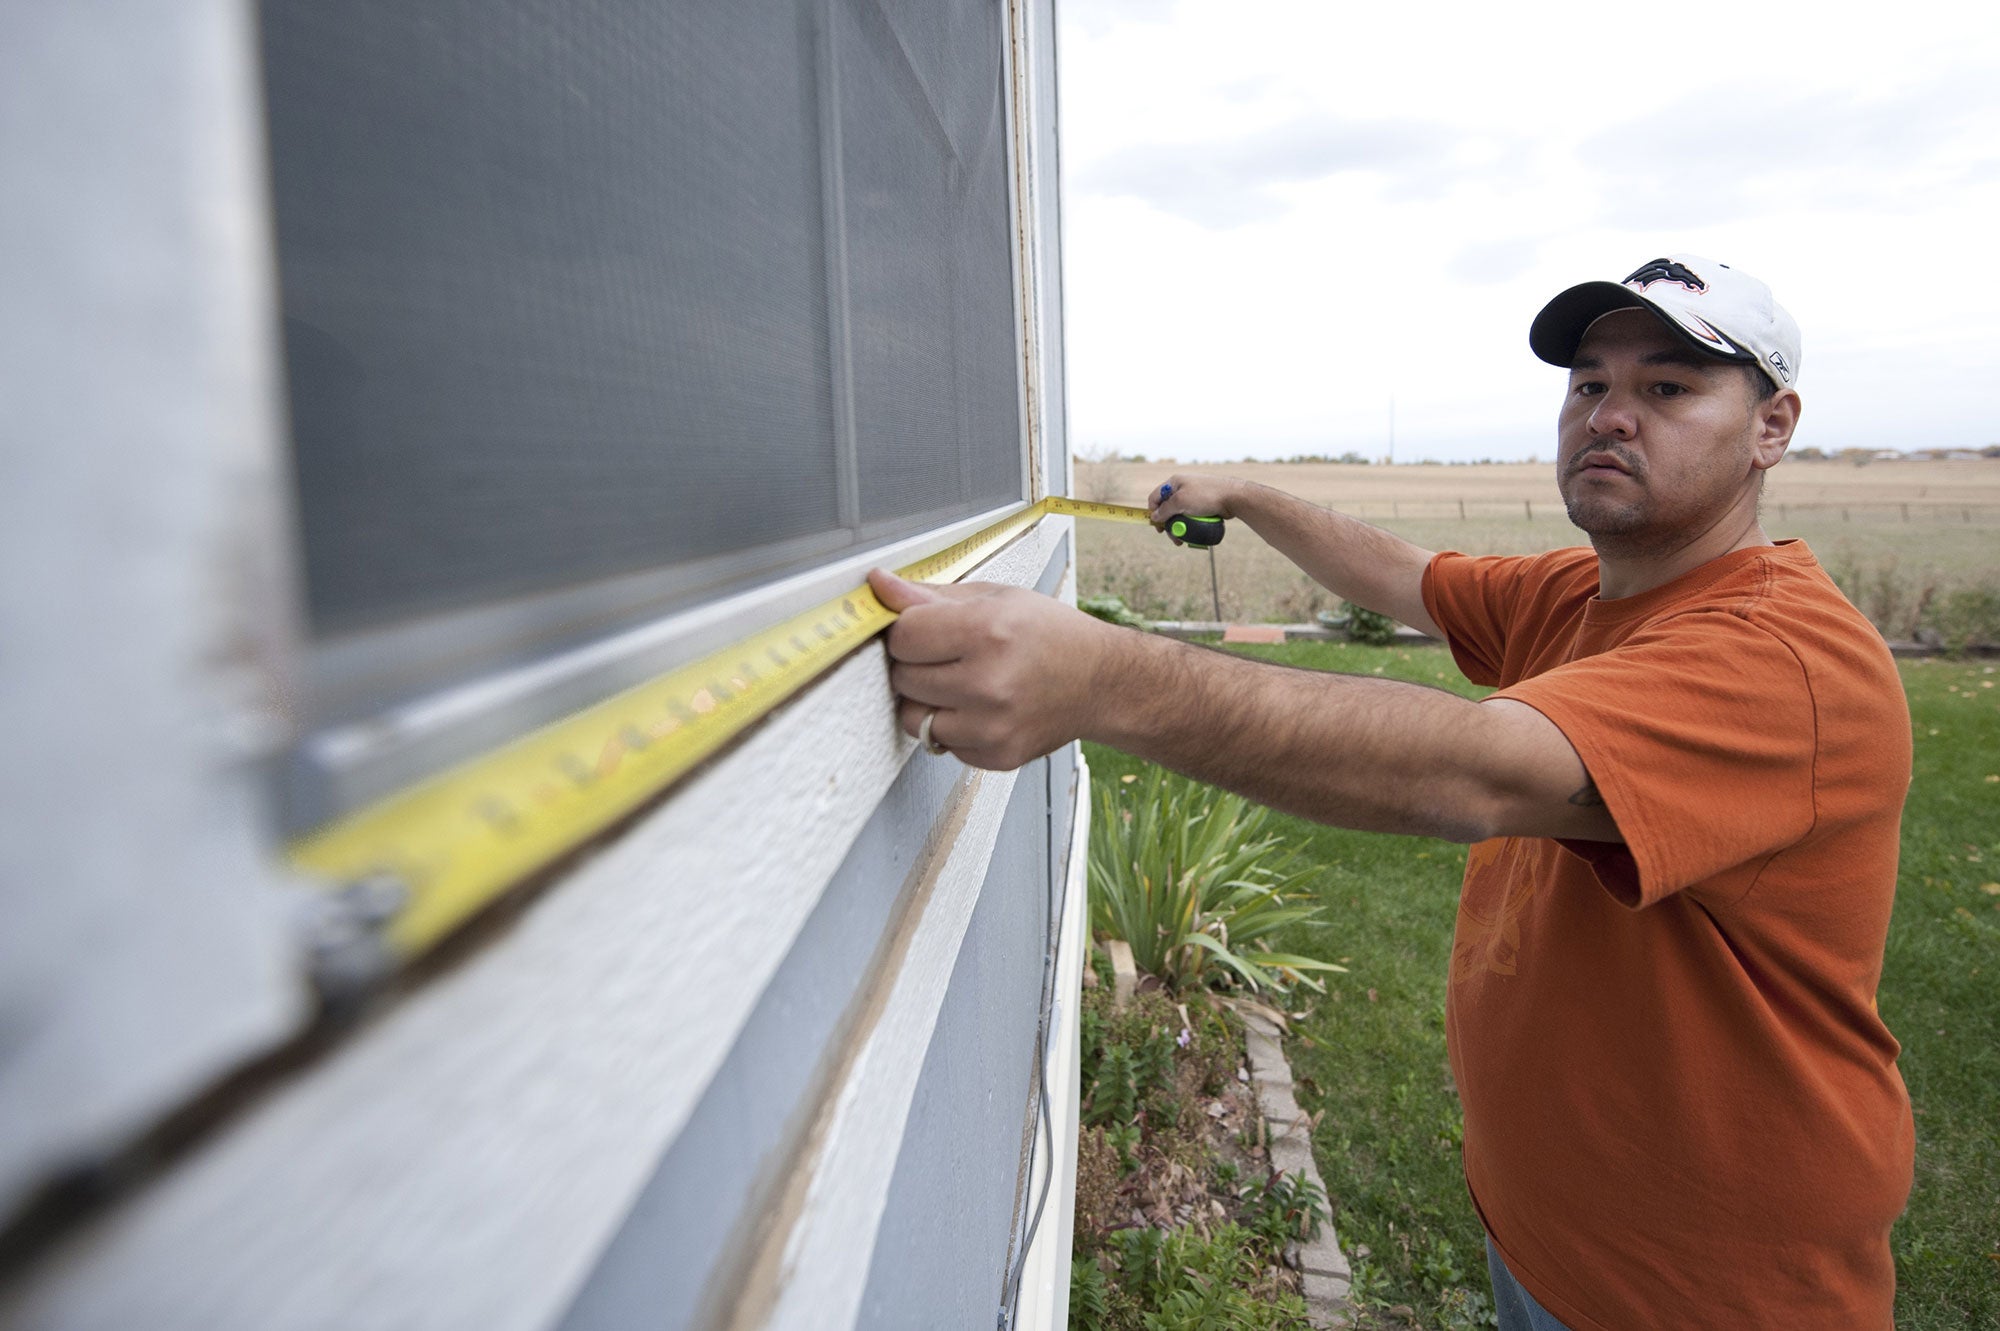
(576, 290)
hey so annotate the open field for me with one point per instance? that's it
(1898, 536)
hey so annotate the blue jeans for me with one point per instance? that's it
(1517, 1308)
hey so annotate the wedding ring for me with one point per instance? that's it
(924, 733)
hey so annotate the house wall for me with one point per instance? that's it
(769, 1055)
(976, 1091)
(145, 624)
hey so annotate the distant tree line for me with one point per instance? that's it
(1861, 457)
(1856, 456)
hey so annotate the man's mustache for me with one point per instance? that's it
(1601, 448)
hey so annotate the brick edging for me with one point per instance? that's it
(1328, 1278)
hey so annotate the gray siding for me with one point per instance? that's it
(682, 1249)
(956, 1201)
(956, 1208)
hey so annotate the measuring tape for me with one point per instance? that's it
(416, 865)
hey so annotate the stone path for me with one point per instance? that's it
(1327, 1275)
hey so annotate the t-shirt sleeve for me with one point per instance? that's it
(1698, 732)
(1472, 599)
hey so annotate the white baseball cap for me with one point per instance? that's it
(1717, 310)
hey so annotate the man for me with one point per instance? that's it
(1681, 1109)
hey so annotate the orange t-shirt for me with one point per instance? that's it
(1681, 1108)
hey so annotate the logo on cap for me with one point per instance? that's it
(1666, 270)
(1707, 334)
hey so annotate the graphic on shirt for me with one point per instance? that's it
(1498, 889)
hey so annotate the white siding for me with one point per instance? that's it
(143, 621)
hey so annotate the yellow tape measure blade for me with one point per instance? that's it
(458, 840)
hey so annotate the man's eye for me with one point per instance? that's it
(1589, 388)
(1670, 389)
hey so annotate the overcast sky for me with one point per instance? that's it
(1280, 216)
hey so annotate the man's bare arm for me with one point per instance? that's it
(1012, 675)
(1353, 560)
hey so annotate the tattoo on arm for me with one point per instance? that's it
(1587, 798)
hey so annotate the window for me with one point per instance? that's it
(591, 317)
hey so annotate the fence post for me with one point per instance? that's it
(1906, 512)
(1528, 507)
(1461, 510)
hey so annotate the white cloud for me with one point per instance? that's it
(1233, 181)
(1282, 215)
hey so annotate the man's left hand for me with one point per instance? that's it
(1009, 672)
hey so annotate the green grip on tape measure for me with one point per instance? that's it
(1196, 531)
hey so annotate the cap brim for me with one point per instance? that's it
(1558, 330)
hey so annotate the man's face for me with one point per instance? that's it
(1656, 443)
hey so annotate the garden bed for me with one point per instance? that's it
(1181, 1220)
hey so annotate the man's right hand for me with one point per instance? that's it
(1356, 562)
(1193, 495)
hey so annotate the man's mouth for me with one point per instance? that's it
(1599, 462)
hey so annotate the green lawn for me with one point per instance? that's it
(1371, 1054)
(1941, 996)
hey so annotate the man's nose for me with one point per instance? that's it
(1612, 417)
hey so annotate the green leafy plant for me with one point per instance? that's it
(1157, 1076)
(1112, 610)
(1192, 879)
(1124, 1139)
(1463, 1308)
(1284, 1208)
(1194, 1282)
(1365, 625)
(1116, 1092)
(1127, 1060)
(1143, 1062)
(1089, 1296)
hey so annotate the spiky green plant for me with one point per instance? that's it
(1197, 883)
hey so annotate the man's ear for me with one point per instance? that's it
(1776, 419)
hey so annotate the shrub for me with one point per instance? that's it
(1895, 601)
(1968, 617)
(1196, 1282)
(1191, 878)
(1365, 625)
(1110, 609)
(1089, 1296)
(1284, 1208)
(1147, 1061)
(1156, 1246)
